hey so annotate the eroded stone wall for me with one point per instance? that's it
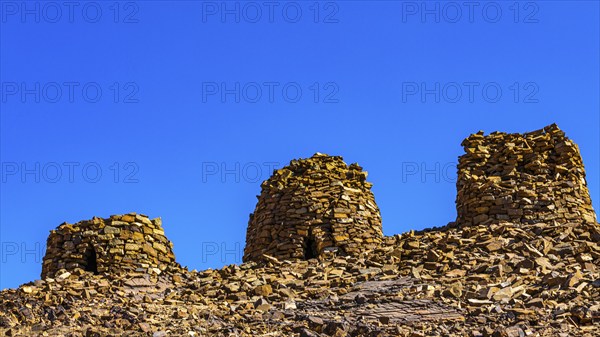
(311, 207)
(120, 243)
(527, 178)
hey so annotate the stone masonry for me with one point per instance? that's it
(311, 207)
(523, 259)
(120, 243)
(523, 178)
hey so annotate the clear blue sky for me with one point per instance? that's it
(182, 109)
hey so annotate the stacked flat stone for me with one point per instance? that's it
(119, 244)
(522, 178)
(313, 207)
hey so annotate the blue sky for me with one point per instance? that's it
(181, 109)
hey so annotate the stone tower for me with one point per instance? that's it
(525, 178)
(119, 244)
(314, 206)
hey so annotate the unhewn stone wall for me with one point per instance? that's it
(121, 243)
(313, 206)
(527, 178)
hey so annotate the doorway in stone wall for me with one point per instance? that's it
(310, 246)
(91, 262)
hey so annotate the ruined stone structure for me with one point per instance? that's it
(311, 207)
(523, 178)
(121, 243)
(522, 260)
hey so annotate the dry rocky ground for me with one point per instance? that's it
(502, 279)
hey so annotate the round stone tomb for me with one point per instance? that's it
(118, 244)
(311, 207)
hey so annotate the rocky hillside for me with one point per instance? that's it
(499, 280)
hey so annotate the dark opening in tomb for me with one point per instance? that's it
(310, 247)
(91, 264)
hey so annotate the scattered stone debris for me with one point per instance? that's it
(535, 274)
